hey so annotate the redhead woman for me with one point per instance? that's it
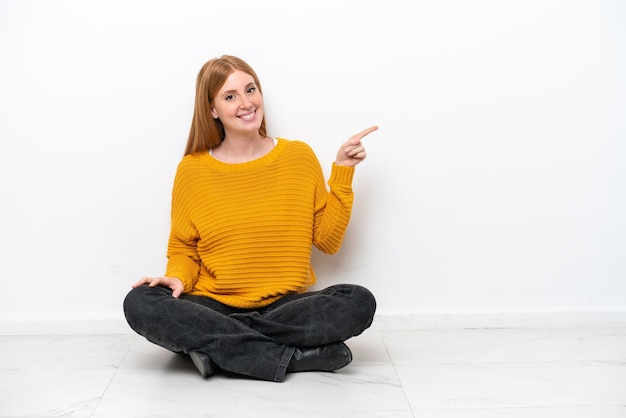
(246, 210)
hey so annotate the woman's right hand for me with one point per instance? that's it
(173, 283)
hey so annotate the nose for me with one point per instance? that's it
(245, 102)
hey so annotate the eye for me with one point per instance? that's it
(229, 97)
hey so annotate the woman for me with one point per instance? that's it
(246, 209)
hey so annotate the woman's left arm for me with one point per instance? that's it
(333, 216)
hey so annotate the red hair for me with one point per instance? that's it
(207, 132)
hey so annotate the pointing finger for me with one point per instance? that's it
(365, 132)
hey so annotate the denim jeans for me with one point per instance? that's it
(257, 343)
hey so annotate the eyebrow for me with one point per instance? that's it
(235, 91)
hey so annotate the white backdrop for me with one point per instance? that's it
(496, 183)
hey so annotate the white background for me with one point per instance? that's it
(496, 183)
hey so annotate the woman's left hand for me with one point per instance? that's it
(352, 151)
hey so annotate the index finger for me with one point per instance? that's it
(144, 280)
(365, 132)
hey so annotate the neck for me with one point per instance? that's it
(241, 149)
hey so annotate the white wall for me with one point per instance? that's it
(496, 183)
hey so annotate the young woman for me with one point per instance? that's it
(246, 210)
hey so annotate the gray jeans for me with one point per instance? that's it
(257, 343)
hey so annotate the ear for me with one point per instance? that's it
(214, 113)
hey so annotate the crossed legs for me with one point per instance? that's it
(258, 343)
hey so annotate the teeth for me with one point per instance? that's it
(248, 116)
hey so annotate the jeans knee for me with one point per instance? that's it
(131, 305)
(136, 303)
(363, 300)
(368, 301)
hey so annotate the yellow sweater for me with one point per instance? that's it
(242, 233)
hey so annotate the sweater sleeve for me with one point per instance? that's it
(182, 250)
(333, 210)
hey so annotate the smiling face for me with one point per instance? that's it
(238, 105)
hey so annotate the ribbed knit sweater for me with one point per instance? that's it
(243, 233)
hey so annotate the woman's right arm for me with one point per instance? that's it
(183, 261)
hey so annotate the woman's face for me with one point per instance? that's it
(239, 104)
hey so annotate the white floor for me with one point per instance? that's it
(399, 373)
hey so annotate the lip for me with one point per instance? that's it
(247, 116)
